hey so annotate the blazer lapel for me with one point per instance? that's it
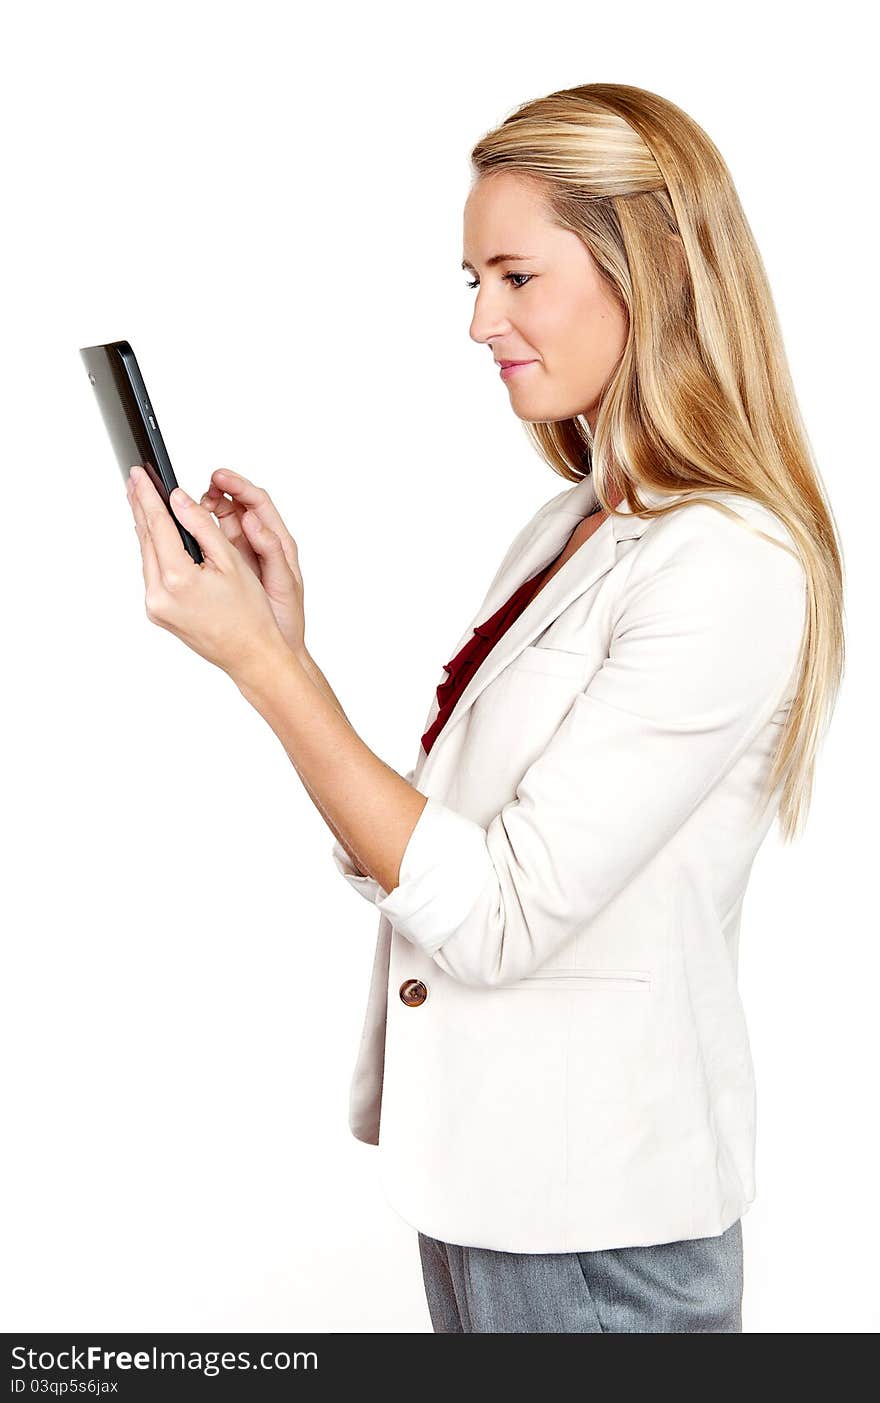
(591, 561)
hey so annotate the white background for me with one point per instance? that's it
(266, 200)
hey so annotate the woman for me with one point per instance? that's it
(554, 1049)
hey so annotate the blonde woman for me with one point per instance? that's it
(554, 1060)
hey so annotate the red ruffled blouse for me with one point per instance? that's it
(462, 667)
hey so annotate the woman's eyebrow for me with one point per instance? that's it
(498, 258)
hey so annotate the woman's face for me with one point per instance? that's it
(548, 304)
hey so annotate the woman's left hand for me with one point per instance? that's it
(218, 608)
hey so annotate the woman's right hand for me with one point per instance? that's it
(238, 514)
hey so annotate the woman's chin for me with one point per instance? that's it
(532, 412)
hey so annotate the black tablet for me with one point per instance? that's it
(130, 421)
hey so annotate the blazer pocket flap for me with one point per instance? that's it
(557, 661)
(624, 981)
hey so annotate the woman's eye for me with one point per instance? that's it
(508, 277)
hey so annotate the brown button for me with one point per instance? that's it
(413, 992)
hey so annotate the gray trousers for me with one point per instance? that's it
(689, 1287)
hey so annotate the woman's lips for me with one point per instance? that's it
(517, 365)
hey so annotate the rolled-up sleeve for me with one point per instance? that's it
(368, 887)
(703, 653)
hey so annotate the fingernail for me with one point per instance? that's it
(180, 495)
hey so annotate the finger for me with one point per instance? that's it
(248, 495)
(229, 515)
(149, 561)
(274, 568)
(222, 476)
(224, 508)
(199, 523)
(252, 498)
(215, 501)
(171, 555)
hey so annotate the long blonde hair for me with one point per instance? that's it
(702, 398)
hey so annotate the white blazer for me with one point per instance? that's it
(554, 1035)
